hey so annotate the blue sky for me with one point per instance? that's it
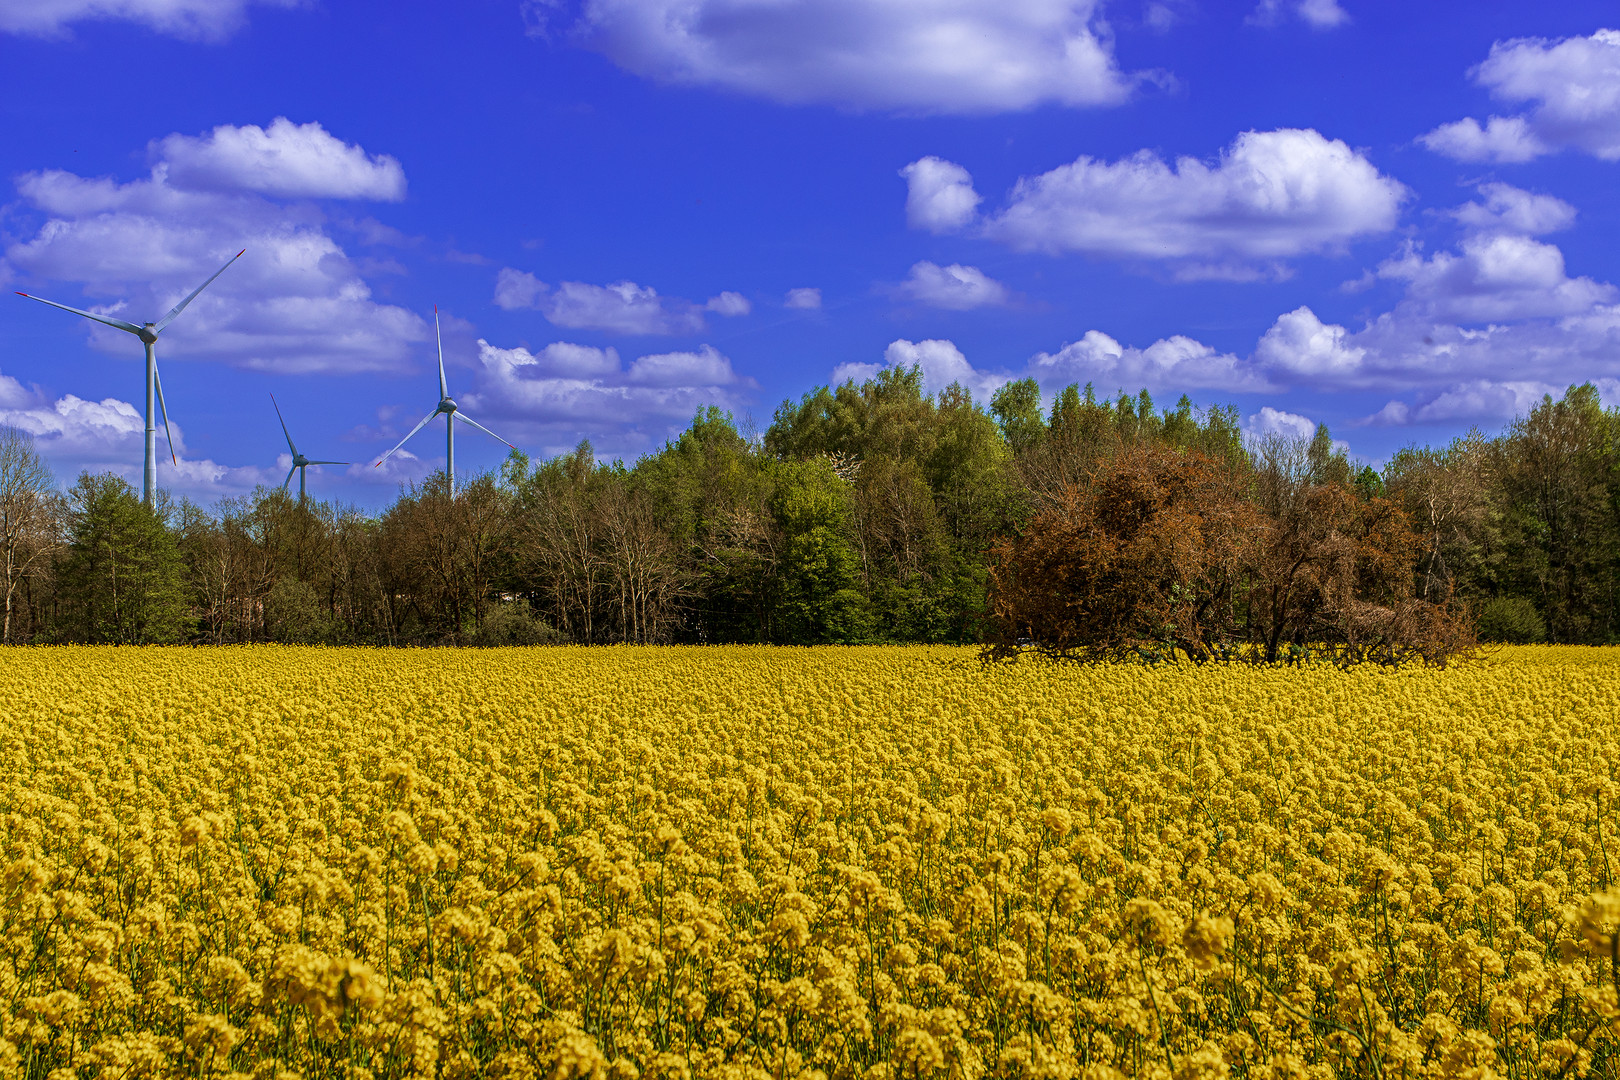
(1393, 218)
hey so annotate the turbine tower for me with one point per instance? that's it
(148, 333)
(299, 461)
(447, 406)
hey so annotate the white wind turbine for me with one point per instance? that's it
(452, 413)
(299, 461)
(148, 333)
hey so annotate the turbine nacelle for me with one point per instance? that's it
(148, 333)
(447, 408)
(299, 461)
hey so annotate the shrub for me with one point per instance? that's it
(514, 622)
(295, 615)
(1511, 620)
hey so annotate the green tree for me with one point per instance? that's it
(1557, 492)
(120, 580)
(819, 570)
(1017, 409)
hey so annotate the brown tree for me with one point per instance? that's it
(1169, 552)
(28, 512)
(1148, 556)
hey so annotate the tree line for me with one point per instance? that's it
(866, 512)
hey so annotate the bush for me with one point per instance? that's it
(1511, 620)
(514, 623)
(294, 614)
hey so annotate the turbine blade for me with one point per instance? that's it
(407, 438)
(162, 405)
(284, 430)
(465, 419)
(287, 481)
(444, 390)
(328, 463)
(108, 319)
(181, 306)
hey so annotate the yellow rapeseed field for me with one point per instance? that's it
(739, 862)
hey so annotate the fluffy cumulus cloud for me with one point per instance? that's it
(1571, 88)
(1493, 278)
(1172, 363)
(729, 304)
(285, 159)
(939, 195)
(1301, 346)
(1505, 208)
(621, 308)
(1479, 334)
(1270, 196)
(805, 299)
(76, 434)
(207, 20)
(1269, 421)
(954, 287)
(922, 56)
(296, 302)
(1321, 14)
(941, 363)
(551, 398)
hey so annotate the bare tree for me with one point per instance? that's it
(26, 488)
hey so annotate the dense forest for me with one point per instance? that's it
(866, 512)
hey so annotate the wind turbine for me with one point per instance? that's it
(299, 461)
(148, 333)
(447, 406)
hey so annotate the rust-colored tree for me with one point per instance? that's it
(1149, 556)
(1169, 553)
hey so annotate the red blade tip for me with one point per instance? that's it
(241, 253)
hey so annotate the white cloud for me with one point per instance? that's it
(1174, 363)
(1572, 86)
(706, 367)
(804, 299)
(942, 364)
(1479, 400)
(1501, 139)
(550, 399)
(285, 159)
(922, 56)
(1483, 398)
(1480, 334)
(1300, 344)
(1269, 421)
(1270, 196)
(518, 289)
(1321, 14)
(622, 307)
(729, 304)
(207, 20)
(1495, 277)
(955, 287)
(294, 303)
(74, 434)
(939, 195)
(1514, 210)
